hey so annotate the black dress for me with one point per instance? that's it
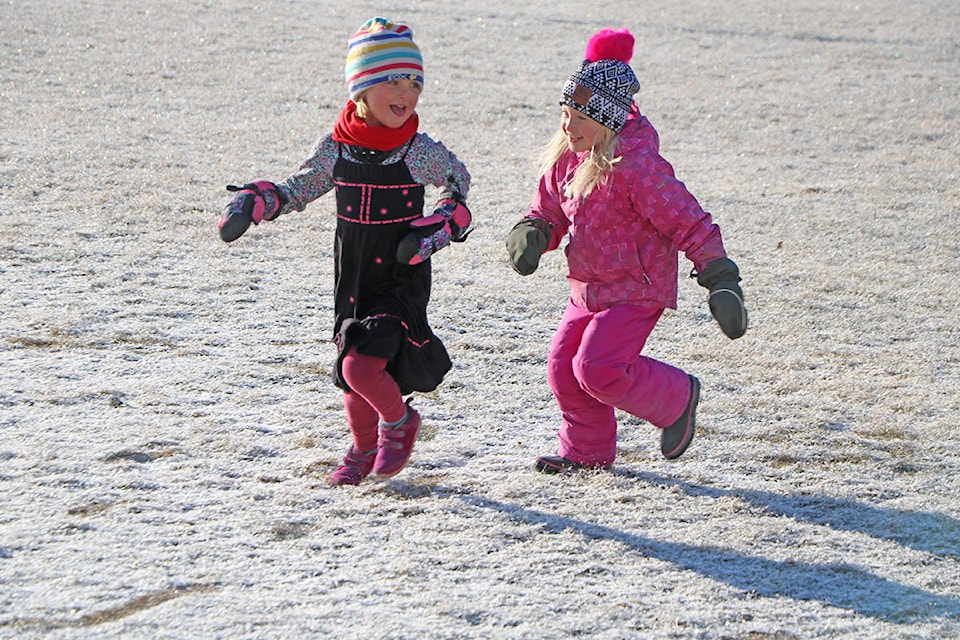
(380, 305)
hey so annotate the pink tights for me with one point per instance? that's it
(374, 397)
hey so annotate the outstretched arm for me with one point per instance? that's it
(676, 214)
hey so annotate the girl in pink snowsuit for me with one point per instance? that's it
(606, 188)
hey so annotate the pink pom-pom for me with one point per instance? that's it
(609, 44)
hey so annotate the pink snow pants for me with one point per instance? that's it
(595, 366)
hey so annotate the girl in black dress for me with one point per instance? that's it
(378, 164)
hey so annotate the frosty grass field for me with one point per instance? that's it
(167, 422)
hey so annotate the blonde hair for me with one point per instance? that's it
(593, 171)
(362, 109)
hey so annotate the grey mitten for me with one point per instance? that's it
(722, 278)
(526, 242)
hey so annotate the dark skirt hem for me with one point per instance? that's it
(415, 365)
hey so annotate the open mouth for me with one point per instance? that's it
(398, 110)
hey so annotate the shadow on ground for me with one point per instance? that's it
(838, 584)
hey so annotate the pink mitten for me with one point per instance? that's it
(449, 222)
(254, 202)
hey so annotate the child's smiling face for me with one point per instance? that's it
(391, 103)
(581, 130)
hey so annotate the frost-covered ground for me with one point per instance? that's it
(167, 422)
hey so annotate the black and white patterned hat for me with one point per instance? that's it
(604, 85)
(602, 90)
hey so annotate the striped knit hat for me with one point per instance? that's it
(381, 51)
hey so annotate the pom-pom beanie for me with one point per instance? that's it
(381, 51)
(604, 85)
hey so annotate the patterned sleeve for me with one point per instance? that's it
(664, 200)
(546, 206)
(314, 178)
(430, 162)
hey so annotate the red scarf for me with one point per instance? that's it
(353, 130)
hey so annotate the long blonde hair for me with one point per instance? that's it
(593, 171)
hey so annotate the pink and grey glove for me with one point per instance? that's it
(449, 222)
(254, 202)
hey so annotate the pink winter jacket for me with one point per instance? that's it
(625, 236)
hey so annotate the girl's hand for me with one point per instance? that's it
(526, 242)
(449, 222)
(254, 202)
(722, 278)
